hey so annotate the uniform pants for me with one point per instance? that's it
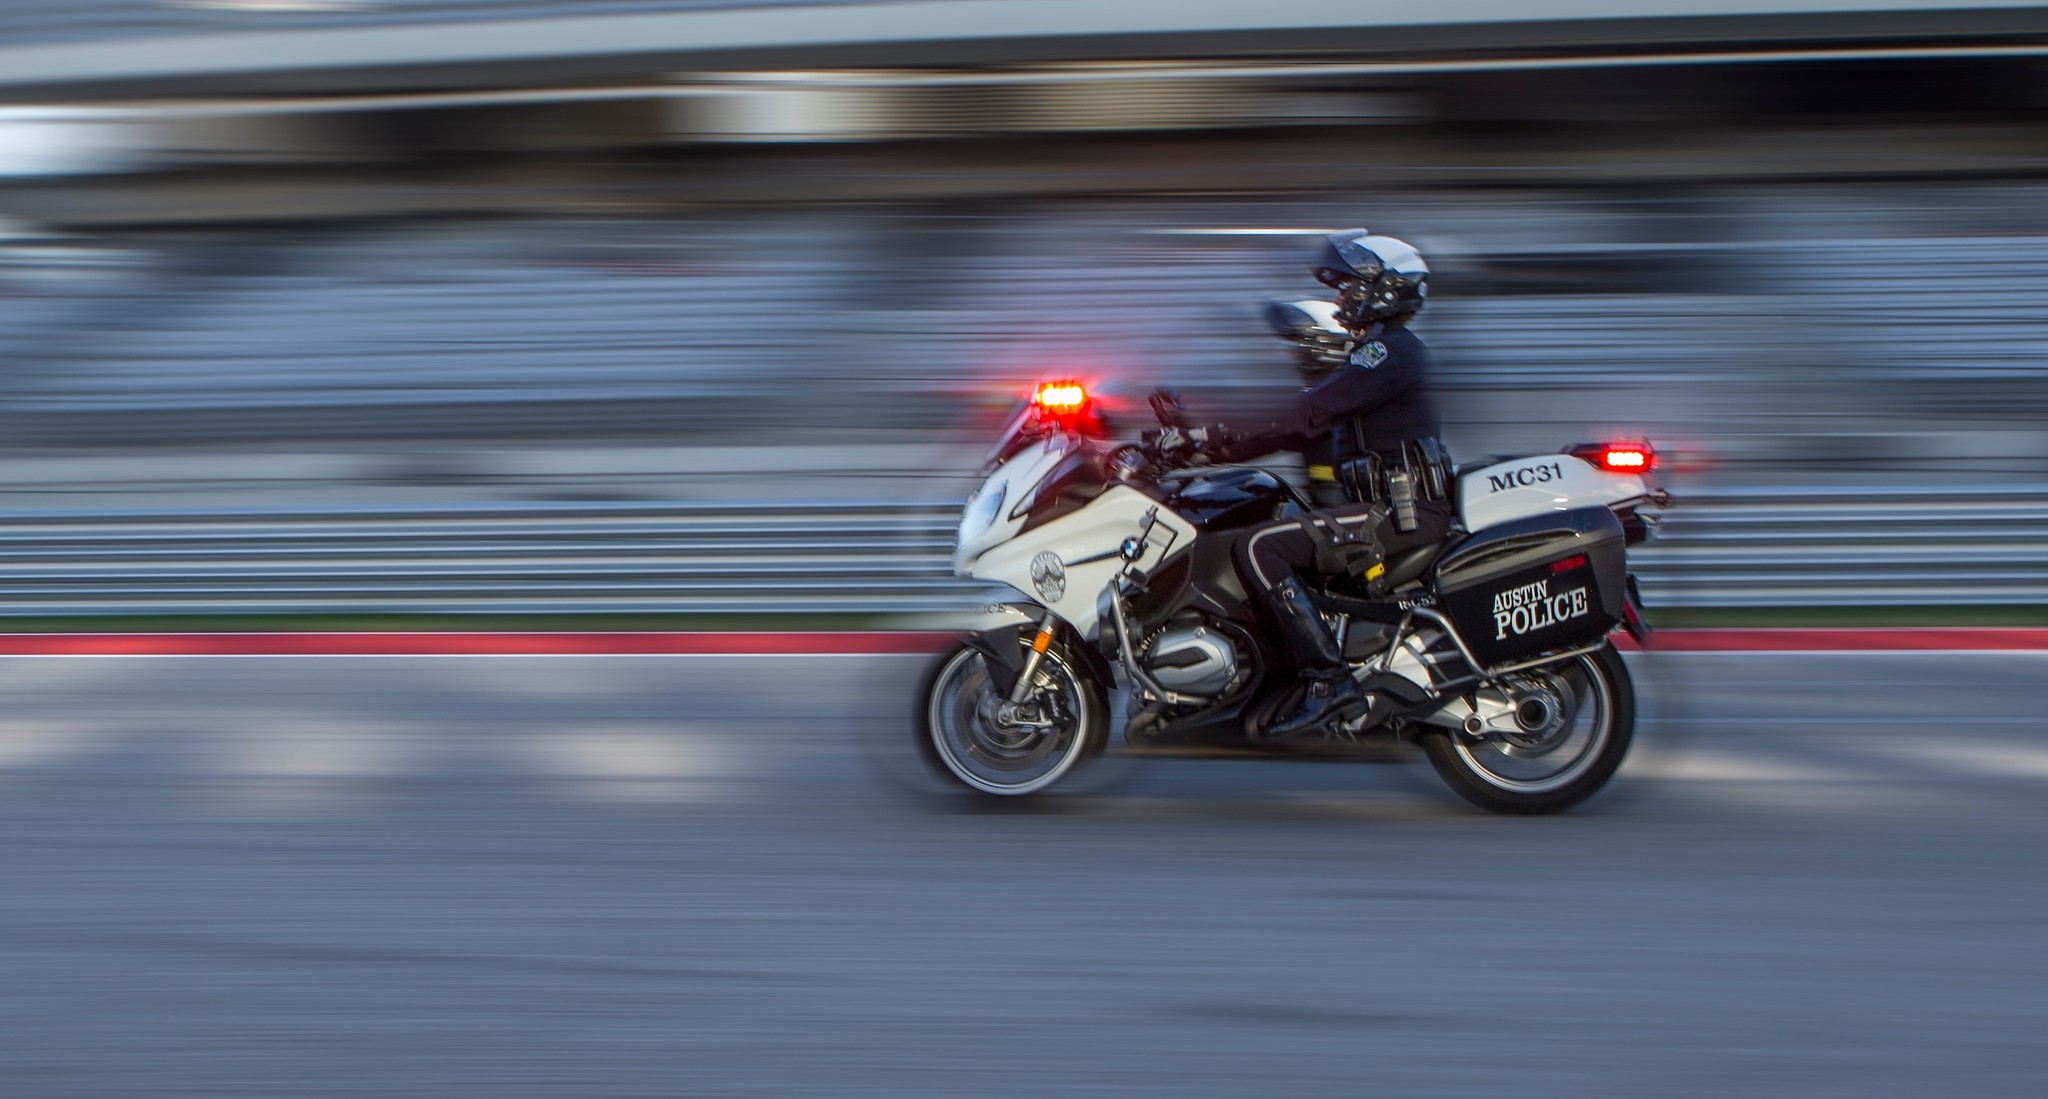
(1272, 553)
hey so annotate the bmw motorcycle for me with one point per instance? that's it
(1491, 650)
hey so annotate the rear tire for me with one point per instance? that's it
(960, 742)
(1480, 772)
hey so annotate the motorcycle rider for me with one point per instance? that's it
(1367, 429)
(1320, 343)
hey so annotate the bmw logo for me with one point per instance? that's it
(1049, 576)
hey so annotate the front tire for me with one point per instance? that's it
(961, 738)
(1561, 770)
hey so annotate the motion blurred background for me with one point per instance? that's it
(699, 312)
(354, 257)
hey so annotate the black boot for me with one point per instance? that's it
(1332, 694)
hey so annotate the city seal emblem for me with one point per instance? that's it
(1049, 576)
(1369, 354)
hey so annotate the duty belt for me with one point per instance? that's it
(1417, 470)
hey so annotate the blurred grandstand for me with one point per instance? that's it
(1810, 330)
(270, 245)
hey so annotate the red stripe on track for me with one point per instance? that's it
(1864, 640)
(775, 643)
(464, 644)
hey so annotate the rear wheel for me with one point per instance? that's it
(1567, 758)
(968, 731)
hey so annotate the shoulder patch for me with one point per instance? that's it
(1369, 354)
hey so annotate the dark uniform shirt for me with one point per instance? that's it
(1374, 403)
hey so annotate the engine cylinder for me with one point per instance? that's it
(1193, 660)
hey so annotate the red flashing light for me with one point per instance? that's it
(1061, 398)
(1621, 457)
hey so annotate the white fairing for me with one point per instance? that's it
(995, 513)
(1538, 485)
(1081, 548)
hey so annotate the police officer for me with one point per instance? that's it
(1364, 425)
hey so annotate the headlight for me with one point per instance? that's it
(981, 512)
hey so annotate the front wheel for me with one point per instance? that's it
(967, 731)
(1559, 765)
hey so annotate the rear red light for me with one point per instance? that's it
(1630, 457)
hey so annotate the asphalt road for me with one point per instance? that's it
(1820, 875)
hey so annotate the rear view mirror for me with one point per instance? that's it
(1167, 407)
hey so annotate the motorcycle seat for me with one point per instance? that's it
(1352, 598)
(1408, 565)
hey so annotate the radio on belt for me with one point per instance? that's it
(1401, 494)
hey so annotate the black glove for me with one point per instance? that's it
(1187, 443)
(1177, 441)
(1211, 442)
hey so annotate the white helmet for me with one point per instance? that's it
(1320, 343)
(1376, 278)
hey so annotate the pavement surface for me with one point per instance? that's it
(697, 875)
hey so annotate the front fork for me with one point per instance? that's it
(1014, 711)
(1041, 641)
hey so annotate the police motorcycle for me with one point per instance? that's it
(1491, 651)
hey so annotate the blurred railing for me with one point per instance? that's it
(1845, 547)
(1752, 547)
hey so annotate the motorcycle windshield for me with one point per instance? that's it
(996, 511)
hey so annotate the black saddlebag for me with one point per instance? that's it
(1532, 585)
